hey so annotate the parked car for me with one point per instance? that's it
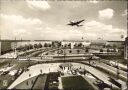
(4, 73)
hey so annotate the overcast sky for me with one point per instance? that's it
(37, 19)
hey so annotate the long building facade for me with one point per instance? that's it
(8, 45)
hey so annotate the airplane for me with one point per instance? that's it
(72, 23)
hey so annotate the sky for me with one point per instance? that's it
(47, 20)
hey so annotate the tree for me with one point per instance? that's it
(121, 52)
(108, 50)
(53, 44)
(114, 46)
(108, 46)
(80, 45)
(30, 46)
(58, 52)
(69, 45)
(45, 45)
(39, 45)
(65, 45)
(78, 51)
(114, 50)
(86, 50)
(61, 51)
(75, 45)
(26, 47)
(49, 45)
(20, 48)
(35, 46)
(59, 44)
(70, 51)
(101, 50)
(104, 46)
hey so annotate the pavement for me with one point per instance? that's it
(119, 64)
(14, 54)
(102, 76)
(34, 71)
(60, 84)
(9, 55)
(7, 68)
(53, 67)
(112, 69)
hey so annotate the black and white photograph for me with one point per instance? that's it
(63, 45)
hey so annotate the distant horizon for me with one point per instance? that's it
(53, 40)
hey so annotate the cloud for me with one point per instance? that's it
(61, 33)
(106, 13)
(125, 13)
(18, 19)
(91, 30)
(33, 28)
(94, 1)
(19, 32)
(35, 4)
(18, 26)
(98, 29)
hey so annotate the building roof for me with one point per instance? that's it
(116, 41)
(14, 40)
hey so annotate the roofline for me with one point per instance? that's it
(6, 40)
(115, 41)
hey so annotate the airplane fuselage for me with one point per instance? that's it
(76, 23)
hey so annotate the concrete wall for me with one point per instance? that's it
(5, 46)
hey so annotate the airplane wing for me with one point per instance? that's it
(80, 21)
(79, 25)
(70, 24)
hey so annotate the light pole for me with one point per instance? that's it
(117, 67)
(15, 51)
(126, 57)
(64, 54)
(126, 48)
(126, 43)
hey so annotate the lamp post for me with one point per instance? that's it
(126, 48)
(15, 51)
(64, 54)
(117, 69)
(126, 43)
(126, 53)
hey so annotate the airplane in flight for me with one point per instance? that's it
(77, 23)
